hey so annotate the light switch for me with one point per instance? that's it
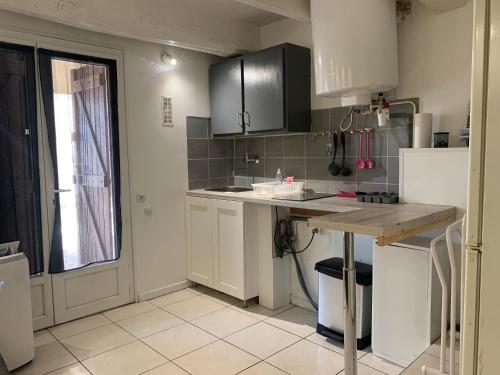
(148, 211)
(140, 198)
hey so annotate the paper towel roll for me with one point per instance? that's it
(422, 130)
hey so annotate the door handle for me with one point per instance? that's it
(58, 191)
(239, 120)
(247, 123)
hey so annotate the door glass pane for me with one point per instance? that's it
(20, 218)
(85, 162)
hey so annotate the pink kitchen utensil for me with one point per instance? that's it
(360, 163)
(368, 162)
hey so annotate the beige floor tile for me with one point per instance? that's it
(332, 344)
(180, 340)
(167, 369)
(435, 350)
(149, 323)
(48, 357)
(42, 337)
(174, 297)
(299, 321)
(306, 358)
(128, 311)
(193, 308)
(365, 370)
(425, 359)
(262, 340)
(222, 323)
(131, 359)
(380, 364)
(96, 341)
(262, 368)
(260, 312)
(78, 326)
(76, 369)
(219, 358)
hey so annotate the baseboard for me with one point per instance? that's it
(391, 359)
(164, 290)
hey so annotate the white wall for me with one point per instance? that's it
(157, 156)
(435, 52)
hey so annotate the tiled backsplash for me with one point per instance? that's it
(304, 156)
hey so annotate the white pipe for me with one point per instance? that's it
(444, 300)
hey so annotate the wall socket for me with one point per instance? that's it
(140, 198)
(148, 211)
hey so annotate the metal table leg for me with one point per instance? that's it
(349, 271)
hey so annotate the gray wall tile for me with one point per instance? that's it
(230, 148)
(348, 163)
(216, 182)
(398, 138)
(255, 147)
(274, 146)
(393, 170)
(318, 185)
(371, 188)
(316, 146)
(294, 146)
(217, 148)
(197, 148)
(377, 174)
(197, 127)
(240, 147)
(320, 120)
(317, 168)
(256, 170)
(217, 168)
(198, 169)
(295, 167)
(199, 184)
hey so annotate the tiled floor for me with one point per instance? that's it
(198, 331)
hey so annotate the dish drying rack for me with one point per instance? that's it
(275, 188)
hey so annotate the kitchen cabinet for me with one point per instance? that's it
(200, 264)
(272, 93)
(226, 97)
(221, 246)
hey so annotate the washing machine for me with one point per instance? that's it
(16, 325)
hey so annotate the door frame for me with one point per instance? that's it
(46, 281)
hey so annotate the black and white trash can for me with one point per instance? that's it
(331, 301)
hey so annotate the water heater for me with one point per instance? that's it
(355, 48)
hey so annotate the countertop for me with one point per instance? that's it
(387, 222)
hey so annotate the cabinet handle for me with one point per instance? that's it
(247, 123)
(238, 120)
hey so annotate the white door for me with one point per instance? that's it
(229, 267)
(92, 271)
(482, 306)
(200, 256)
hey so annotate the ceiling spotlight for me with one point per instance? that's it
(167, 59)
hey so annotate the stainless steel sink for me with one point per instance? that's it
(230, 189)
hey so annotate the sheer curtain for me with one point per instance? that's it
(79, 96)
(20, 217)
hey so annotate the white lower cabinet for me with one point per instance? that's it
(222, 245)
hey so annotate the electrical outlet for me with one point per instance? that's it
(140, 198)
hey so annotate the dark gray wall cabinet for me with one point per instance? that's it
(265, 91)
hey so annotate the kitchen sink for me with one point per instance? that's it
(230, 189)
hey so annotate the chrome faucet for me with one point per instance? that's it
(247, 160)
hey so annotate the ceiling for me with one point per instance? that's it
(220, 27)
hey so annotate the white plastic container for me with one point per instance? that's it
(273, 188)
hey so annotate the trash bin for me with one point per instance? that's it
(331, 301)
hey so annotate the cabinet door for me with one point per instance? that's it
(264, 90)
(200, 265)
(229, 248)
(226, 98)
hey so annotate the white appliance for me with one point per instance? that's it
(481, 323)
(16, 324)
(355, 48)
(428, 176)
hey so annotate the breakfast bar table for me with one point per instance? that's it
(388, 224)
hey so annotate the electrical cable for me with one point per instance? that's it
(349, 114)
(286, 240)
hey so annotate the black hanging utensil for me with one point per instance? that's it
(333, 167)
(344, 171)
